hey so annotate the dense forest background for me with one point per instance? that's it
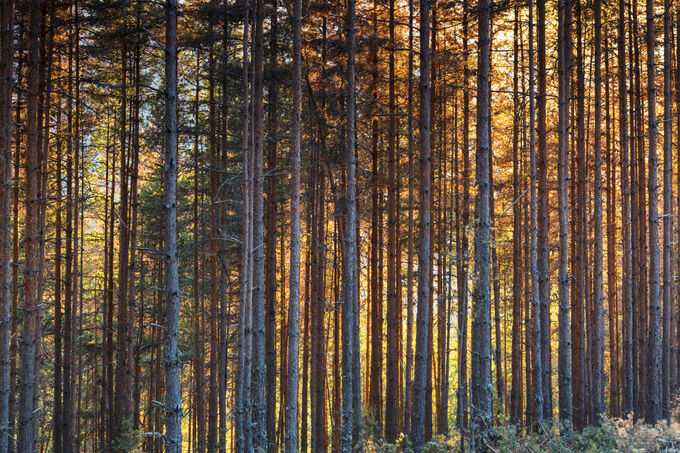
(244, 225)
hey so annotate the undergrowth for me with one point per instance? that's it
(613, 435)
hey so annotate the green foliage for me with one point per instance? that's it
(612, 436)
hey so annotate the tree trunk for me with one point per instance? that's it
(533, 258)
(171, 359)
(654, 353)
(667, 215)
(422, 319)
(393, 306)
(543, 254)
(32, 278)
(6, 131)
(481, 318)
(258, 315)
(294, 279)
(270, 240)
(597, 387)
(516, 388)
(564, 352)
(626, 295)
(242, 419)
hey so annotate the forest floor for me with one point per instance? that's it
(613, 435)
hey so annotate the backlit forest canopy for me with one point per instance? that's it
(331, 225)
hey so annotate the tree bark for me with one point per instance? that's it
(6, 131)
(171, 359)
(350, 278)
(597, 388)
(667, 215)
(393, 307)
(422, 319)
(32, 279)
(564, 348)
(294, 279)
(481, 318)
(654, 357)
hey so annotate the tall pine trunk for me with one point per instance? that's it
(666, 375)
(654, 353)
(294, 279)
(6, 130)
(350, 279)
(171, 359)
(481, 317)
(564, 348)
(32, 278)
(422, 319)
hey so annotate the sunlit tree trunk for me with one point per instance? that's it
(666, 375)
(32, 278)
(654, 357)
(564, 334)
(481, 318)
(171, 359)
(6, 131)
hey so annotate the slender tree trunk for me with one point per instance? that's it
(516, 388)
(612, 277)
(579, 258)
(464, 256)
(564, 352)
(199, 354)
(393, 306)
(171, 359)
(533, 258)
(258, 315)
(626, 295)
(408, 391)
(350, 278)
(481, 324)
(597, 387)
(422, 318)
(6, 131)
(654, 358)
(667, 215)
(242, 422)
(270, 240)
(543, 254)
(294, 279)
(32, 278)
(122, 393)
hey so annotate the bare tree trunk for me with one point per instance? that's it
(350, 278)
(242, 419)
(564, 352)
(393, 305)
(597, 387)
(121, 411)
(294, 279)
(408, 390)
(32, 278)
(270, 239)
(654, 353)
(612, 277)
(626, 296)
(6, 130)
(516, 389)
(667, 215)
(259, 366)
(422, 319)
(171, 360)
(481, 324)
(543, 254)
(464, 254)
(533, 259)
